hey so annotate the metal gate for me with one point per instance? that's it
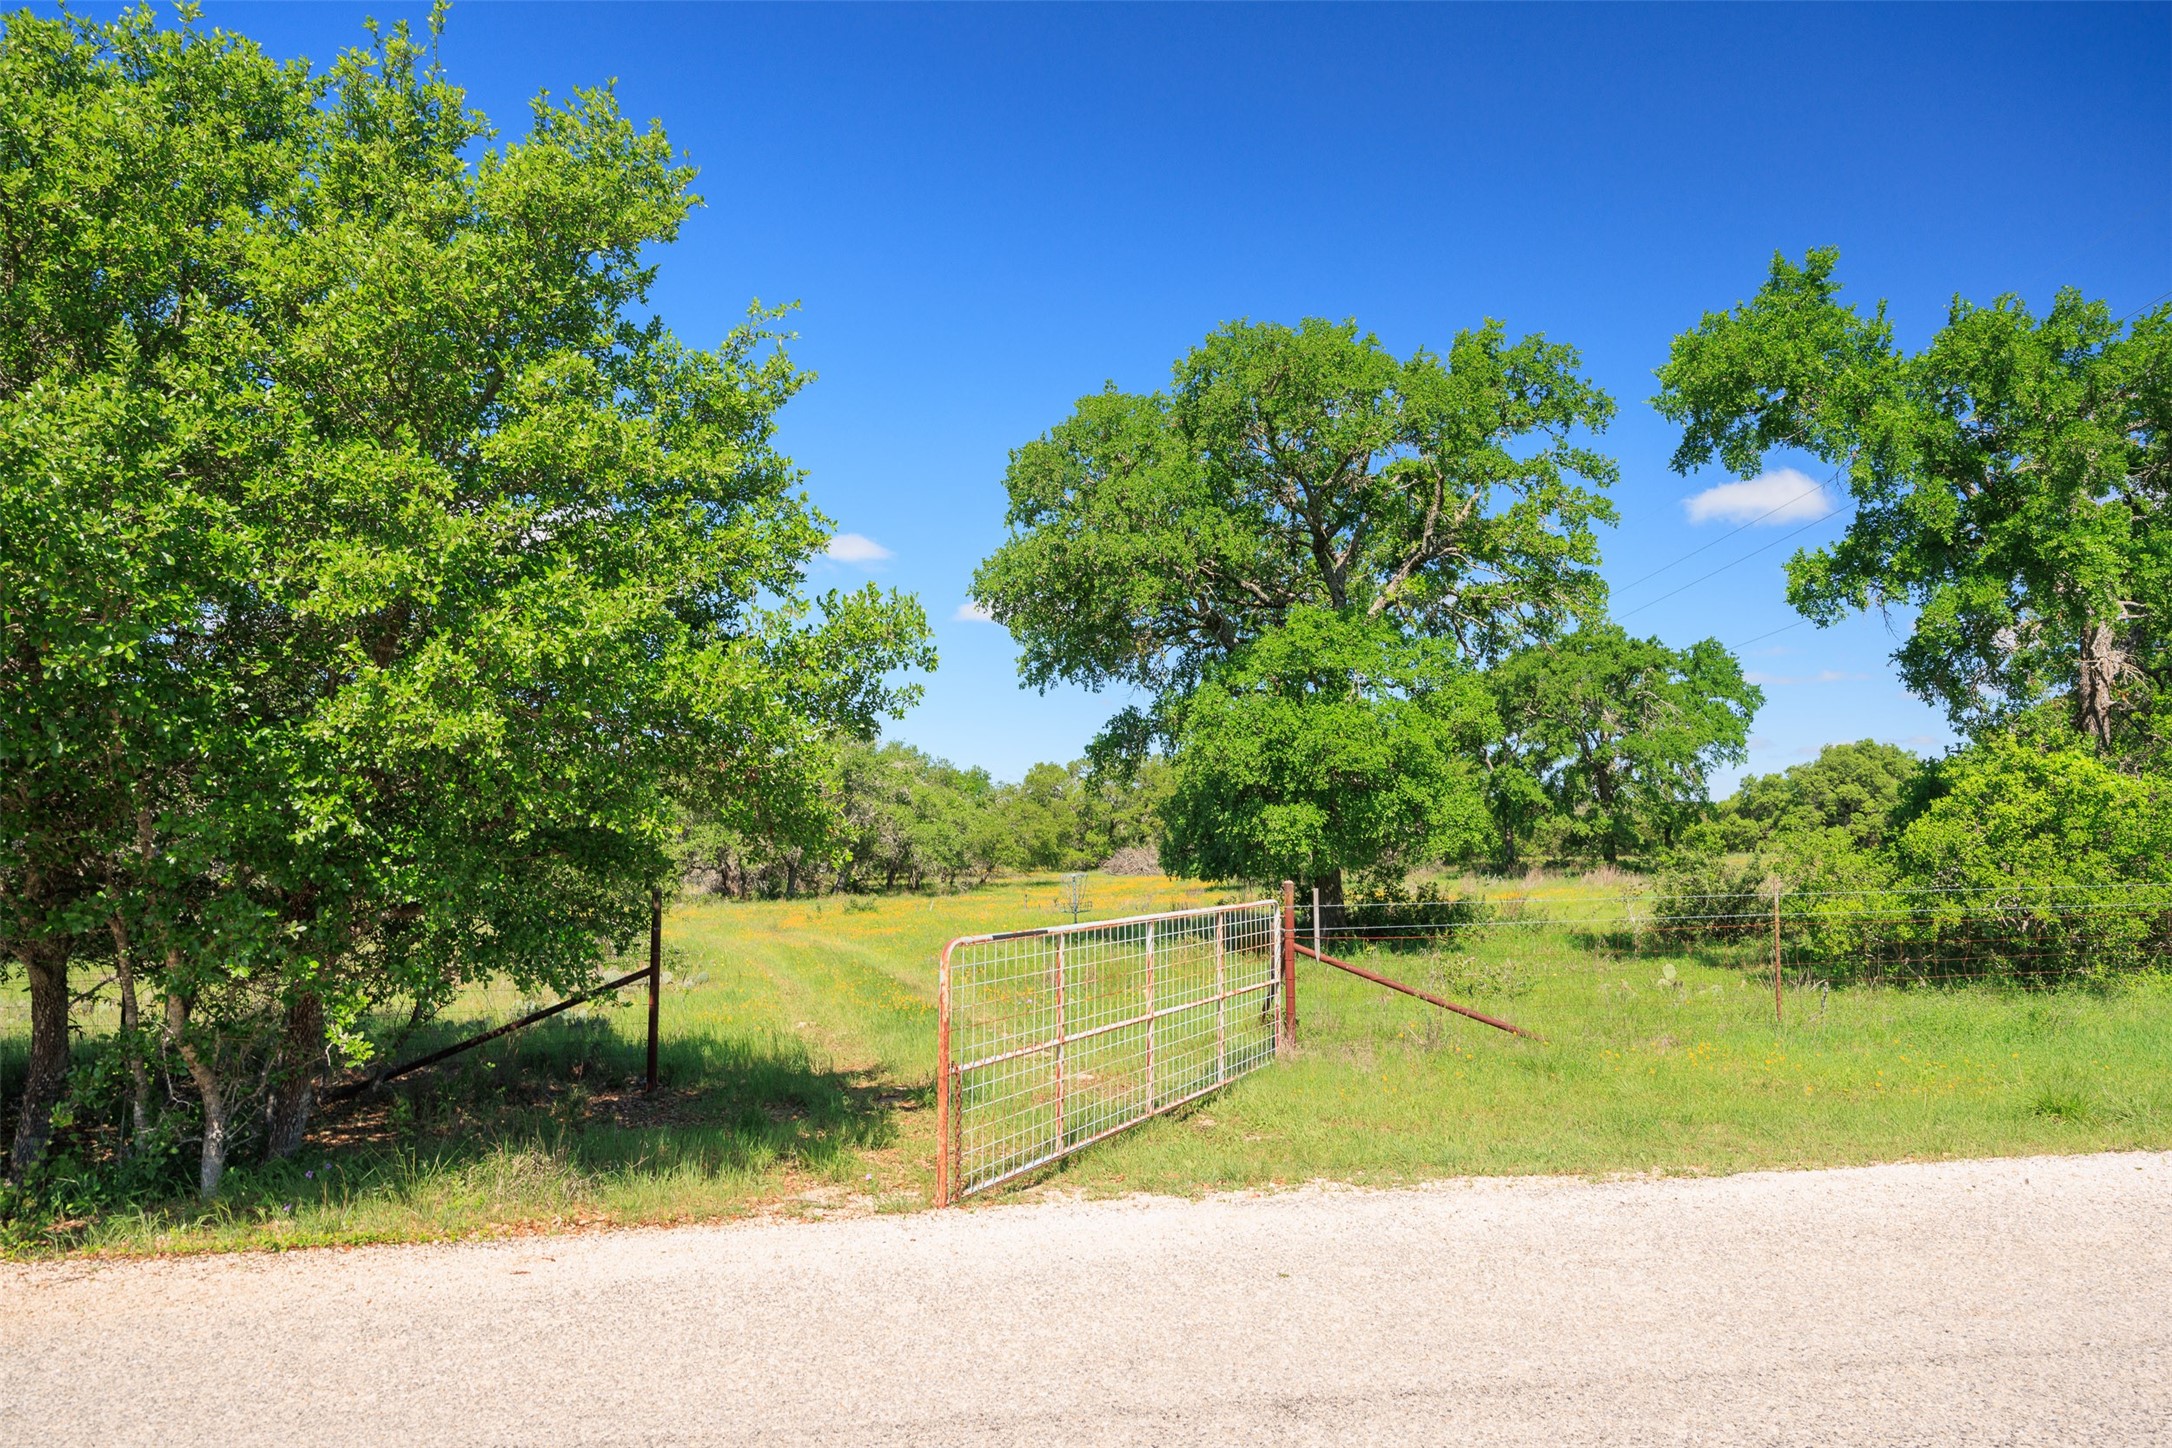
(1052, 1039)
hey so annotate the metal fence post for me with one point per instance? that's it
(1315, 920)
(944, 1108)
(1777, 1019)
(1289, 961)
(656, 977)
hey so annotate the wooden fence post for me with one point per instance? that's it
(656, 978)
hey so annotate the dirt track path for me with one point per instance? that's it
(1965, 1303)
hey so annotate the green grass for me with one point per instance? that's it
(1643, 1072)
(799, 1051)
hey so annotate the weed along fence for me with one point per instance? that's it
(1049, 1040)
(1052, 1039)
(1800, 941)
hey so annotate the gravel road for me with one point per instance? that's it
(1966, 1303)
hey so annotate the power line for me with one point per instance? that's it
(2153, 301)
(1761, 517)
(1783, 628)
(1721, 569)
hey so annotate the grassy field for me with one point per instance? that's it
(798, 1055)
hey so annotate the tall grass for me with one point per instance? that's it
(798, 1056)
(1663, 1065)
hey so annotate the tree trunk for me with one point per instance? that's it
(139, 1086)
(294, 1078)
(124, 956)
(1602, 790)
(45, 962)
(2100, 666)
(212, 1165)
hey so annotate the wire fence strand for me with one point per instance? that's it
(2028, 935)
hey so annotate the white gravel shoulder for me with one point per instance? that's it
(1983, 1302)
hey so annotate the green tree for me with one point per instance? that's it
(2011, 482)
(1154, 536)
(1044, 812)
(1155, 539)
(1118, 808)
(1516, 798)
(134, 162)
(441, 577)
(1852, 787)
(2011, 810)
(1073, 816)
(1331, 744)
(1622, 732)
(875, 789)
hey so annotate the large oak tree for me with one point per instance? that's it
(1152, 535)
(1620, 733)
(1157, 538)
(2011, 482)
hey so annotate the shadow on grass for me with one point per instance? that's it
(549, 1125)
(726, 1104)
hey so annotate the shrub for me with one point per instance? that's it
(2009, 812)
(1821, 873)
(2031, 859)
(1400, 915)
(2010, 858)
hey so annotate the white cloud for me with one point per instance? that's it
(856, 548)
(971, 612)
(1780, 496)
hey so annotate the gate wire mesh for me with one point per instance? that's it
(1053, 1039)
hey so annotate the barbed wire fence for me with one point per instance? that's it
(1805, 943)
(1052, 1039)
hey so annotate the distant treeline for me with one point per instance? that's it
(908, 820)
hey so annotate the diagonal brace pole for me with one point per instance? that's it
(371, 1083)
(1410, 990)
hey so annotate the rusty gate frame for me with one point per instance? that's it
(1280, 979)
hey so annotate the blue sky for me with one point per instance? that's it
(987, 211)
